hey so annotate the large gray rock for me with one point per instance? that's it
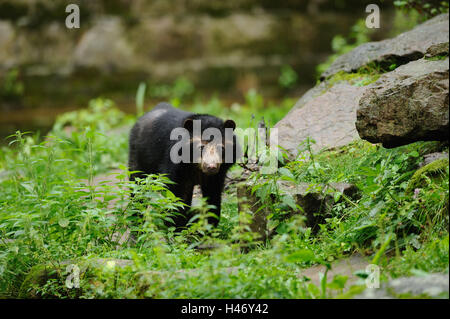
(434, 286)
(408, 46)
(329, 119)
(311, 94)
(328, 115)
(407, 105)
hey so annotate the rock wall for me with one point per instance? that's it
(217, 44)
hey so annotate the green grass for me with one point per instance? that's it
(51, 211)
(437, 57)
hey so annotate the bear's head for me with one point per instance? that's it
(212, 142)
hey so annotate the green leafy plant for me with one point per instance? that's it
(12, 87)
(288, 77)
(426, 8)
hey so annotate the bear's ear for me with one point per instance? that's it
(188, 124)
(229, 124)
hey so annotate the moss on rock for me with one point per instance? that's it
(431, 170)
(37, 277)
(356, 79)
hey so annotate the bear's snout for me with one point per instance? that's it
(210, 169)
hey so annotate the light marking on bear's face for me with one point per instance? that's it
(208, 153)
(211, 158)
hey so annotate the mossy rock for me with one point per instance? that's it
(36, 277)
(432, 170)
(39, 275)
(362, 77)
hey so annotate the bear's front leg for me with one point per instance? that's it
(212, 191)
(184, 192)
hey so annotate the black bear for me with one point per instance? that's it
(192, 149)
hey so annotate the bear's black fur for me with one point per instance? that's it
(150, 146)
